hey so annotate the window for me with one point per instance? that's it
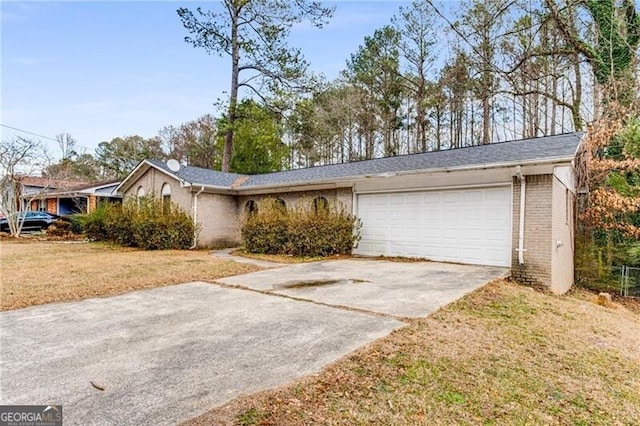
(166, 198)
(251, 207)
(140, 192)
(281, 204)
(320, 204)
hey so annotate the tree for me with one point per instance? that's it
(258, 146)
(375, 68)
(417, 28)
(18, 157)
(612, 55)
(254, 34)
(119, 156)
(194, 143)
(72, 165)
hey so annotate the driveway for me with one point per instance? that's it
(161, 356)
(401, 289)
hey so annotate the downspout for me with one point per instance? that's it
(523, 191)
(195, 218)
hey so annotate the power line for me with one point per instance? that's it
(40, 136)
(28, 132)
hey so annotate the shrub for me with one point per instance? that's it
(77, 223)
(59, 228)
(303, 230)
(141, 223)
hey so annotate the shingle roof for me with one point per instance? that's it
(525, 150)
(200, 176)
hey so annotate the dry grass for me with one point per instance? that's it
(36, 272)
(502, 355)
(283, 258)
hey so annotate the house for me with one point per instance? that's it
(507, 204)
(65, 197)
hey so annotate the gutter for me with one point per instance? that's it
(195, 218)
(346, 179)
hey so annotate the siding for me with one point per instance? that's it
(562, 241)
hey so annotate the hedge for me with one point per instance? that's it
(302, 230)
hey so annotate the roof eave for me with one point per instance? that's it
(129, 180)
(349, 180)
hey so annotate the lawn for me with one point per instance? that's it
(504, 354)
(37, 272)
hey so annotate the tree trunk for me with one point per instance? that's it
(233, 97)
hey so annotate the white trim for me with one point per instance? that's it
(504, 185)
(125, 184)
(435, 188)
(344, 181)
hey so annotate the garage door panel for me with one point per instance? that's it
(467, 226)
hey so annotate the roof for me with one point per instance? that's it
(51, 183)
(525, 150)
(558, 148)
(200, 176)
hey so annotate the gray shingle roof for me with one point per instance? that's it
(524, 150)
(198, 175)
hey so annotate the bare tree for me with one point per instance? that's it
(19, 157)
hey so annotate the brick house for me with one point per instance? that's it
(506, 204)
(65, 197)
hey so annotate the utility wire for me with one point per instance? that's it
(28, 132)
(39, 135)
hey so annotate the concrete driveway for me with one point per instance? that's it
(165, 355)
(402, 289)
(162, 356)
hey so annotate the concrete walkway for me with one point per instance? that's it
(226, 254)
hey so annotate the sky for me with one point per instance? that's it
(100, 70)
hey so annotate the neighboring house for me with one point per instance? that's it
(64, 197)
(506, 204)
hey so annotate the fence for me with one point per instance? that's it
(629, 281)
(624, 280)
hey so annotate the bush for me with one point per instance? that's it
(59, 228)
(77, 223)
(141, 223)
(300, 231)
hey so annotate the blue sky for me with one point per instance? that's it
(98, 70)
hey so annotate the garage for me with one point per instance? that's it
(469, 225)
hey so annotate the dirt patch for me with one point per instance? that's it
(504, 354)
(36, 272)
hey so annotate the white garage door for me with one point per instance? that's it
(463, 225)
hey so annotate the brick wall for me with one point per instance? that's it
(217, 213)
(342, 196)
(538, 230)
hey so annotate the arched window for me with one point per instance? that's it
(281, 204)
(320, 204)
(140, 192)
(251, 207)
(166, 198)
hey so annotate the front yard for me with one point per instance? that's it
(37, 272)
(502, 355)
